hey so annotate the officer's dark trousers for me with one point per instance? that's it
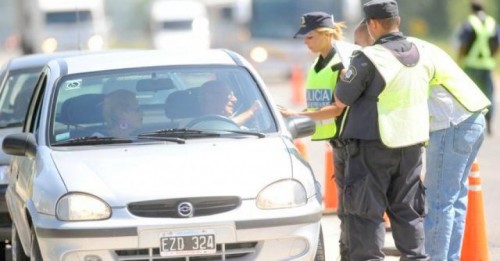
(380, 179)
(339, 159)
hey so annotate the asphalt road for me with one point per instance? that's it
(488, 158)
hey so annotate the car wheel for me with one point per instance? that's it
(35, 255)
(320, 251)
(17, 247)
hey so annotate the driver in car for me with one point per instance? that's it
(217, 98)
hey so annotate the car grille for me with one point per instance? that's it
(202, 206)
(232, 251)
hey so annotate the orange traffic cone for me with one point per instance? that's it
(301, 146)
(331, 198)
(475, 243)
(387, 222)
(298, 86)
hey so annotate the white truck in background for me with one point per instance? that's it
(46, 26)
(179, 24)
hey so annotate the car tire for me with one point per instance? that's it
(320, 251)
(17, 247)
(35, 254)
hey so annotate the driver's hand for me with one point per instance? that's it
(256, 106)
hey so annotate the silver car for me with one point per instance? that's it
(170, 180)
(17, 81)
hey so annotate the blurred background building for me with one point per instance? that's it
(261, 30)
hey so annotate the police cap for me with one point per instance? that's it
(312, 21)
(380, 9)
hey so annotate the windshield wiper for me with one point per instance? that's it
(183, 133)
(93, 140)
(253, 133)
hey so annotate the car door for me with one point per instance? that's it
(23, 168)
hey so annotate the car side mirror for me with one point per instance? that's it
(300, 126)
(20, 144)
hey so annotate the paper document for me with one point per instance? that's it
(345, 50)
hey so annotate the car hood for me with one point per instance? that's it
(123, 174)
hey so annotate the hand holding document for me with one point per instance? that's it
(345, 50)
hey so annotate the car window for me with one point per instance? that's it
(128, 103)
(15, 95)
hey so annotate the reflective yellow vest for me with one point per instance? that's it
(319, 92)
(479, 55)
(449, 75)
(403, 115)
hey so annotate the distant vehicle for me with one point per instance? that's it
(267, 28)
(179, 25)
(18, 77)
(47, 26)
(184, 185)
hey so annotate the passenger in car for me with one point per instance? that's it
(122, 114)
(217, 97)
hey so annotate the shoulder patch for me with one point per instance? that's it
(350, 74)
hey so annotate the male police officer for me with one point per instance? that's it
(386, 89)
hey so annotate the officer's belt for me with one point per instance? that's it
(337, 143)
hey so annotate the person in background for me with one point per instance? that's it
(479, 39)
(318, 30)
(122, 114)
(217, 98)
(386, 89)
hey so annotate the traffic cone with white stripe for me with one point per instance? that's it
(475, 243)
(298, 85)
(301, 147)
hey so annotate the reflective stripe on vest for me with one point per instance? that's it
(479, 55)
(319, 93)
(403, 115)
(454, 79)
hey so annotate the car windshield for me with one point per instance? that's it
(68, 17)
(15, 95)
(159, 104)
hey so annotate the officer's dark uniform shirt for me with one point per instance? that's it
(360, 86)
(323, 62)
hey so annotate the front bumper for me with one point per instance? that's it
(246, 233)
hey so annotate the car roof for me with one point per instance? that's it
(143, 58)
(38, 60)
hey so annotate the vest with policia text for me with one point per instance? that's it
(449, 75)
(479, 55)
(319, 93)
(403, 115)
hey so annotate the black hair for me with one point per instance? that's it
(476, 6)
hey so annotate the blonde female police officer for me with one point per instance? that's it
(319, 30)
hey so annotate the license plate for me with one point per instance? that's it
(188, 242)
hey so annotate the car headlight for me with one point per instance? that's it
(259, 54)
(80, 206)
(282, 194)
(95, 43)
(49, 45)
